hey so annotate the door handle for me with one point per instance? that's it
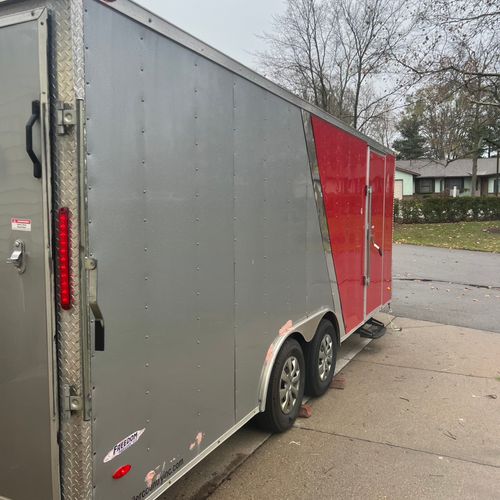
(17, 258)
(372, 241)
(377, 247)
(35, 116)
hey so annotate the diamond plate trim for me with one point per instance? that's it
(68, 85)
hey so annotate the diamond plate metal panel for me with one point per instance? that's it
(67, 84)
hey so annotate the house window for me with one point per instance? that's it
(495, 186)
(424, 186)
(451, 182)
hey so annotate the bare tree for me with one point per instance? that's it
(458, 40)
(370, 31)
(301, 54)
(457, 48)
(337, 55)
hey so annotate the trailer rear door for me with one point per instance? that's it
(376, 240)
(28, 416)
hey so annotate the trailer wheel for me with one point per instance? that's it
(321, 359)
(286, 389)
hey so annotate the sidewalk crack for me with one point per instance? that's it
(430, 280)
(397, 446)
(423, 369)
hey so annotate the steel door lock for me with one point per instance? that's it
(18, 257)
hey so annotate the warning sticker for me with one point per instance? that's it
(20, 224)
(123, 445)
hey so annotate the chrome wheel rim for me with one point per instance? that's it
(289, 384)
(325, 358)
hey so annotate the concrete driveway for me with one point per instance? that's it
(418, 418)
(456, 287)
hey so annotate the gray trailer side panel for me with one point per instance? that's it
(160, 178)
(280, 264)
(196, 176)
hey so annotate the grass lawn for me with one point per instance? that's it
(484, 236)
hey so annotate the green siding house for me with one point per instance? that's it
(455, 178)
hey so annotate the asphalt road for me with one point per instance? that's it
(454, 287)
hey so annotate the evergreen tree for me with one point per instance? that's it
(412, 144)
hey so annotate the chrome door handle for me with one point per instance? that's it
(17, 258)
(377, 247)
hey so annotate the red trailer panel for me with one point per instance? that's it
(342, 167)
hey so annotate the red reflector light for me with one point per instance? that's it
(64, 259)
(122, 471)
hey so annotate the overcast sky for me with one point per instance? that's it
(228, 25)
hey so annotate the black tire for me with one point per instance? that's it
(275, 419)
(319, 378)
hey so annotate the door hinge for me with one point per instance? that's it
(366, 280)
(72, 402)
(65, 117)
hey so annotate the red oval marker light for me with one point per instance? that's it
(64, 258)
(122, 471)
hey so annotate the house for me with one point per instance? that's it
(404, 181)
(430, 176)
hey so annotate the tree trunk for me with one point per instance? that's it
(356, 99)
(473, 189)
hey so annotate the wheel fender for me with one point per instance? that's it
(306, 328)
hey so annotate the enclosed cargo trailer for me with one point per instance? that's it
(184, 245)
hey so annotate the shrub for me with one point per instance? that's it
(439, 209)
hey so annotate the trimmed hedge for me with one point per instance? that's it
(440, 209)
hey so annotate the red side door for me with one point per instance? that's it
(376, 236)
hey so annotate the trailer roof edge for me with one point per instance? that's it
(147, 18)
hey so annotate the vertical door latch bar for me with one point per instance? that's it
(369, 234)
